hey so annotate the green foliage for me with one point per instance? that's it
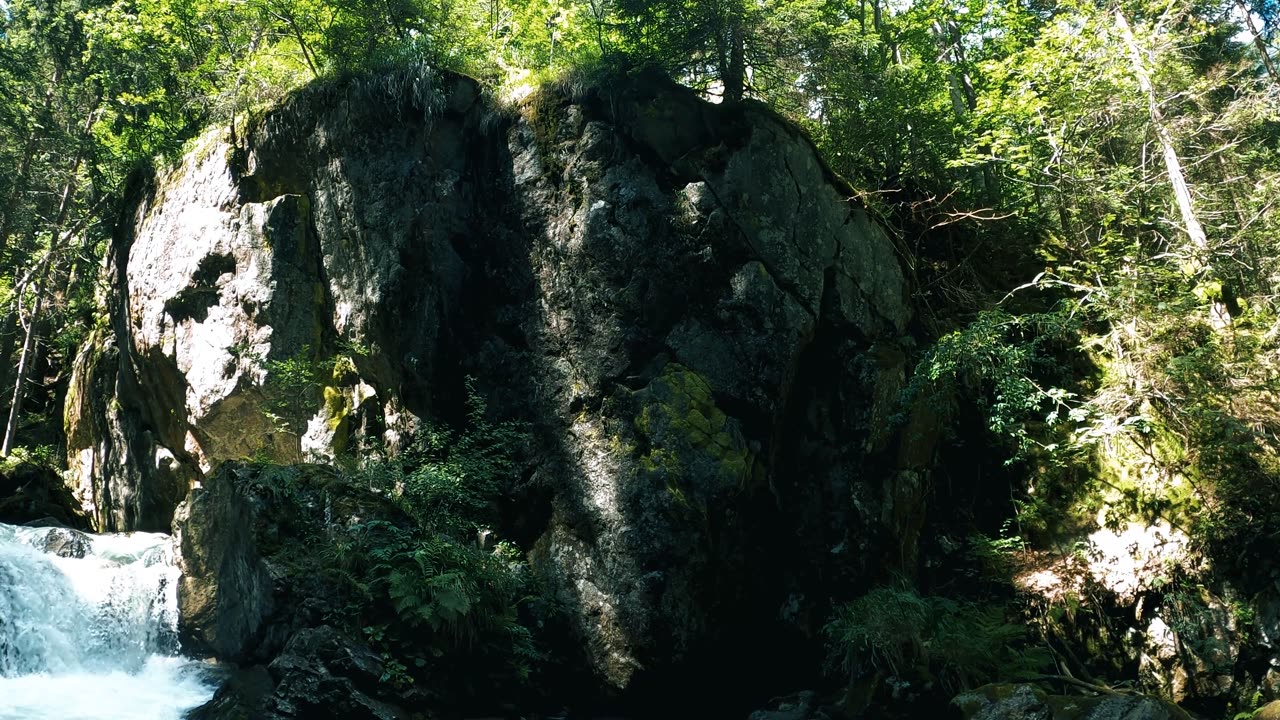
(292, 388)
(436, 587)
(956, 643)
(43, 455)
(1007, 147)
(446, 479)
(444, 594)
(1011, 361)
(424, 580)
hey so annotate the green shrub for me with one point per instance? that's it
(415, 576)
(433, 586)
(1010, 362)
(956, 643)
(46, 456)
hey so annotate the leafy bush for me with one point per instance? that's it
(955, 643)
(1010, 360)
(403, 540)
(446, 479)
(46, 456)
(435, 587)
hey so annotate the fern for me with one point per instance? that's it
(441, 594)
(956, 642)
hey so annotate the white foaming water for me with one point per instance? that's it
(92, 638)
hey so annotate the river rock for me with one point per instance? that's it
(1193, 656)
(801, 706)
(243, 694)
(67, 543)
(324, 675)
(224, 595)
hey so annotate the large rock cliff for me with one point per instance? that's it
(707, 337)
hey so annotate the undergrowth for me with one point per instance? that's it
(934, 641)
(405, 540)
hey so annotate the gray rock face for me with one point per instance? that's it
(1193, 656)
(323, 675)
(34, 495)
(707, 338)
(224, 595)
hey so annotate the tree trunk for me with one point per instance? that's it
(307, 55)
(734, 72)
(8, 337)
(27, 359)
(24, 366)
(877, 21)
(1199, 242)
(964, 101)
(1258, 41)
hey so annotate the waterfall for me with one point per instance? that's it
(88, 628)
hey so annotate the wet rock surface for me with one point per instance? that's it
(252, 595)
(68, 543)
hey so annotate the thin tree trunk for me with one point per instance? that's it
(8, 337)
(735, 74)
(307, 55)
(1199, 242)
(1257, 41)
(24, 366)
(1173, 166)
(964, 100)
(27, 359)
(877, 24)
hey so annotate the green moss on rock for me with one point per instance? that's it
(691, 441)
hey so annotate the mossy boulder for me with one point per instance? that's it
(690, 444)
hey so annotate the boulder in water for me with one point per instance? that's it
(322, 674)
(706, 339)
(325, 675)
(225, 592)
(243, 696)
(67, 543)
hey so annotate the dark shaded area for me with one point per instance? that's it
(194, 301)
(35, 495)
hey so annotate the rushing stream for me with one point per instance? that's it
(88, 629)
